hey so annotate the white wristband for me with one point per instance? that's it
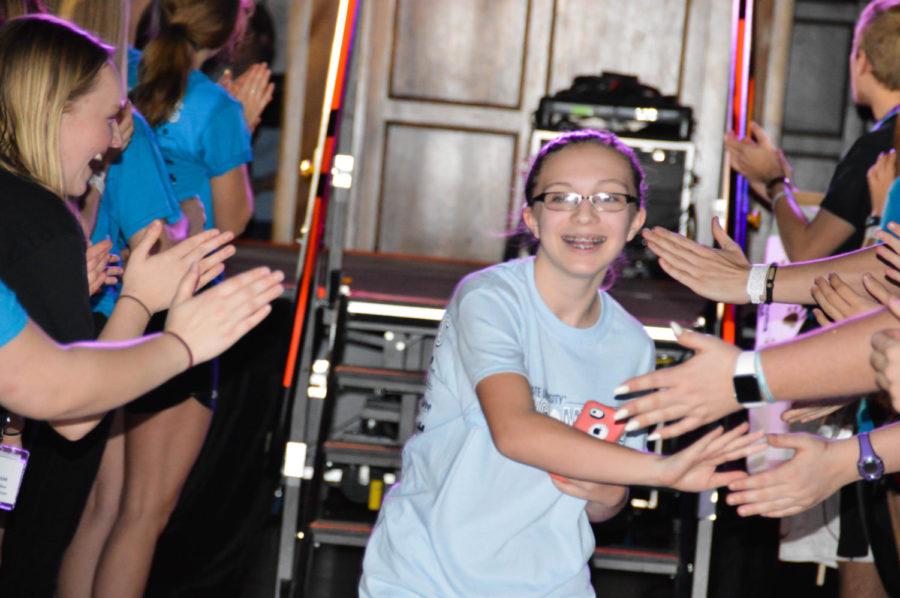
(756, 283)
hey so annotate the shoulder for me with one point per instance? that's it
(27, 206)
(504, 282)
(865, 150)
(625, 324)
(203, 91)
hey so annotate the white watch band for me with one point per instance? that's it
(756, 283)
(746, 364)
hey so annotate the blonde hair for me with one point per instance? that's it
(186, 26)
(107, 19)
(877, 33)
(10, 9)
(45, 64)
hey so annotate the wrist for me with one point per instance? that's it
(840, 461)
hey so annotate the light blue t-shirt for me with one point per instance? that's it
(464, 520)
(206, 136)
(12, 316)
(137, 192)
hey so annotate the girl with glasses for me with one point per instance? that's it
(522, 347)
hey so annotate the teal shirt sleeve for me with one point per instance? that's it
(12, 317)
(225, 142)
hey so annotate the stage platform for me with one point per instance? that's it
(420, 281)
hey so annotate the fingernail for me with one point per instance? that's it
(620, 390)
(620, 414)
(653, 437)
(676, 328)
(632, 425)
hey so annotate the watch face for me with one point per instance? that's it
(871, 469)
(747, 389)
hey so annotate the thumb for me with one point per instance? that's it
(788, 441)
(693, 340)
(187, 285)
(894, 306)
(151, 235)
(760, 135)
(722, 238)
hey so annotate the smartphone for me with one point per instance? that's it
(597, 420)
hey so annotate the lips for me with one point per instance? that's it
(584, 242)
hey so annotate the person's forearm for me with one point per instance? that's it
(830, 362)
(572, 453)
(792, 223)
(127, 320)
(794, 281)
(839, 464)
(42, 380)
(609, 507)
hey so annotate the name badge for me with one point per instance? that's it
(12, 467)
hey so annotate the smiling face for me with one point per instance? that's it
(89, 127)
(583, 244)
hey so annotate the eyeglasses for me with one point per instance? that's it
(602, 202)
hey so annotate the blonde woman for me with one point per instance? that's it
(59, 102)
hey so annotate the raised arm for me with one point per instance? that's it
(721, 274)
(42, 380)
(829, 362)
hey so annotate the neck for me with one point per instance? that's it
(573, 300)
(883, 102)
(201, 56)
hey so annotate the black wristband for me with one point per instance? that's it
(873, 220)
(770, 281)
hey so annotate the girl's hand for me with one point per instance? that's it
(252, 89)
(890, 251)
(810, 476)
(838, 301)
(811, 411)
(697, 392)
(153, 279)
(756, 158)
(100, 268)
(604, 500)
(717, 274)
(880, 177)
(694, 468)
(215, 319)
(885, 357)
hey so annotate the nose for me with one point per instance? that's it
(585, 212)
(116, 141)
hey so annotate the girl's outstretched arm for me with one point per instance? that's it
(524, 435)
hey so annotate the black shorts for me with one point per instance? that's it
(200, 383)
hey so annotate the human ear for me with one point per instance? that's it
(637, 222)
(531, 221)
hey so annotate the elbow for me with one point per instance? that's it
(237, 224)
(74, 431)
(507, 442)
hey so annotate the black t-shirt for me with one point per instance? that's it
(42, 258)
(848, 192)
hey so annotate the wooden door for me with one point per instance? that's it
(447, 91)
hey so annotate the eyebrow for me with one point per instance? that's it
(598, 182)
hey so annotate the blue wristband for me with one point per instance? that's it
(761, 378)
